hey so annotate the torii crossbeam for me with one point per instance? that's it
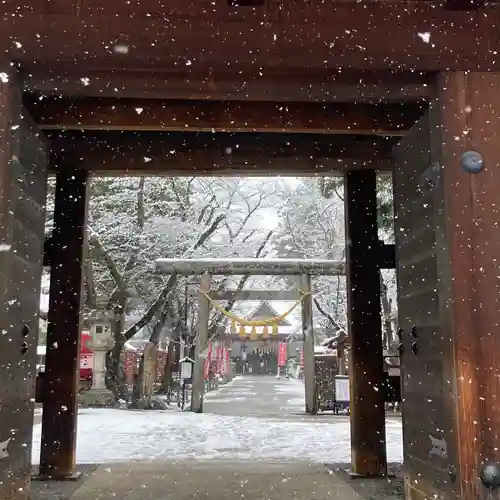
(255, 267)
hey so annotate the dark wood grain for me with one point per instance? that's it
(219, 154)
(366, 373)
(22, 211)
(224, 116)
(60, 384)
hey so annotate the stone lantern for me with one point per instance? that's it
(101, 342)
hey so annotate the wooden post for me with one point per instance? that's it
(366, 373)
(468, 249)
(23, 183)
(201, 345)
(60, 387)
(308, 337)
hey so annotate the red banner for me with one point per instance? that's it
(86, 361)
(208, 361)
(282, 354)
(301, 359)
(86, 356)
(227, 361)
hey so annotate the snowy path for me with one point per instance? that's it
(254, 418)
(259, 396)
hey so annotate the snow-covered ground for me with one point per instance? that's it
(121, 435)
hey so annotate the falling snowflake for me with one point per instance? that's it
(425, 36)
(120, 48)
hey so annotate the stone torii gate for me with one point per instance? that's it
(254, 267)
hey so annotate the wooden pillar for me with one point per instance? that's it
(60, 389)
(366, 373)
(469, 256)
(23, 183)
(308, 339)
(201, 345)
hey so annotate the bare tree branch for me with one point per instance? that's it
(249, 214)
(248, 236)
(153, 308)
(208, 232)
(171, 283)
(328, 316)
(110, 263)
(204, 210)
(141, 211)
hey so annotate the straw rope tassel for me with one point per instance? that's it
(265, 332)
(253, 333)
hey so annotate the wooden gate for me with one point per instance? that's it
(23, 178)
(429, 427)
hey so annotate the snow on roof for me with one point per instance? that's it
(320, 349)
(270, 312)
(129, 347)
(290, 326)
(328, 341)
(249, 307)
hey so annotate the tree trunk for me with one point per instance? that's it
(115, 379)
(167, 372)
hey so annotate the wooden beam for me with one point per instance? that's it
(366, 370)
(224, 116)
(234, 83)
(254, 267)
(60, 381)
(465, 5)
(309, 34)
(256, 295)
(179, 153)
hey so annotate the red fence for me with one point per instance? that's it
(217, 361)
(131, 360)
